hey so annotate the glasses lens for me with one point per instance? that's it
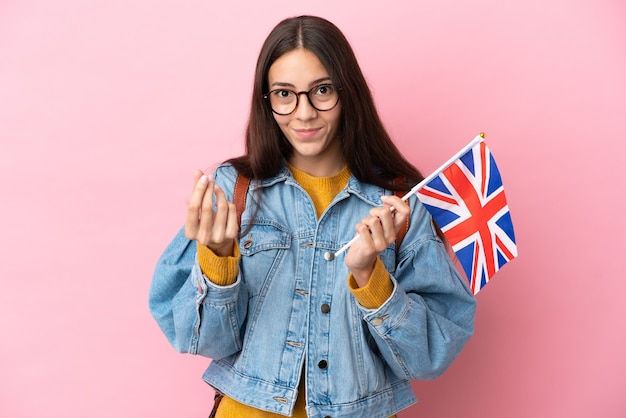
(323, 97)
(283, 102)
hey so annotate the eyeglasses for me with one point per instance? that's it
(284, 102)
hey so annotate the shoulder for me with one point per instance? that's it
(225, 177)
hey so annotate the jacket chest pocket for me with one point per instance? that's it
(262, 250)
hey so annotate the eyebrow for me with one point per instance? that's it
(311, 84)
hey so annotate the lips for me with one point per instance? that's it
(306, 133)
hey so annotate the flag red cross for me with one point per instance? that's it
(480, 216)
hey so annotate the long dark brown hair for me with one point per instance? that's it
(366, 146)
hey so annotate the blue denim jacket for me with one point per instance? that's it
(291, 316)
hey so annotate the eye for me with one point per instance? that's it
(283, 94)
(324, 90)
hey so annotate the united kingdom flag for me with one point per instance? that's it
(468, 203)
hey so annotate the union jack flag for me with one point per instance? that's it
(468, 203)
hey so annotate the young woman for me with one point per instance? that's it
(292, 329)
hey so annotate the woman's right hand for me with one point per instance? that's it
(216, 229)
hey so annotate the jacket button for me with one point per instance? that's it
(323, 364)
(325, 308)
(379, 321)
(329, 256)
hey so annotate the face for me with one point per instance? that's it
(313, 134)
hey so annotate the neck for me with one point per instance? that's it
(326, 165)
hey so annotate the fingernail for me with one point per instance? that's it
(204, 180)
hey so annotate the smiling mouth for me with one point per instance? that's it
(306, 132)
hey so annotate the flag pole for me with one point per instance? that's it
(476, 140)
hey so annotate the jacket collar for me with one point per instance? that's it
(364, 191)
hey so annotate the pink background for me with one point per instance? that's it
(106, 107)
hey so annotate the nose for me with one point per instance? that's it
(304, 108)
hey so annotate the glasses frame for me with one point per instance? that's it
(266, 97)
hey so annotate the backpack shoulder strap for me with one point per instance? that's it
(404, 229)
(240, 195)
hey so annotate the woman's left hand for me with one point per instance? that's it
(376, 231)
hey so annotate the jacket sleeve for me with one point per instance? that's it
(429, 316)
(196, 315)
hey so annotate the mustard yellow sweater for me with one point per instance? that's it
(223, 271)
